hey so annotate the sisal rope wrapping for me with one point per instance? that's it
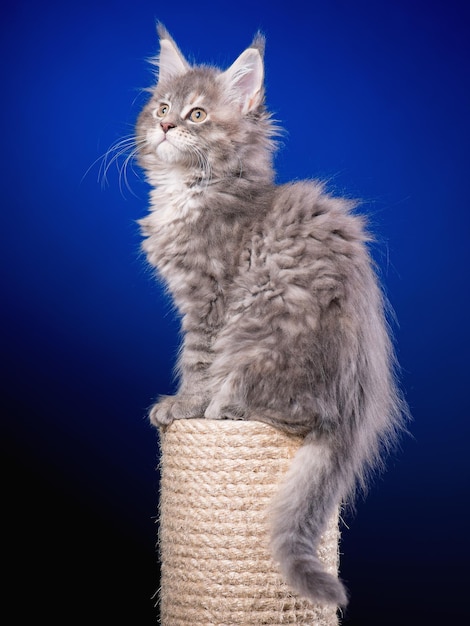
(217, 481)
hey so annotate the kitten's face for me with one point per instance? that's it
(188, 121)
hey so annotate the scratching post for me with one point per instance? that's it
(217, 480)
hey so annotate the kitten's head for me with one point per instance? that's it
(209, 122)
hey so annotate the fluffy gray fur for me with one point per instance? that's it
(282, 316)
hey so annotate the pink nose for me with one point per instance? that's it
(166, 126)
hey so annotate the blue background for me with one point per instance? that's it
(375, 98)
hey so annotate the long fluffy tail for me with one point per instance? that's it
(300, 513)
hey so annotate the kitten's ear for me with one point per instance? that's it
(170, 61)
(245, 77)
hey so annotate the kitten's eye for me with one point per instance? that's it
(197, 115)
(162, 110)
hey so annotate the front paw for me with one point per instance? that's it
(216, 411)
(170, 408)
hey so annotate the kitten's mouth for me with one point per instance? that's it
(167, 151)
(166, 140)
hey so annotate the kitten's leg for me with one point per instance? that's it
(222, 404)
(192, 397)
(246, 383)
(273, 367)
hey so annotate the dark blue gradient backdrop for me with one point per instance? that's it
(375, 99)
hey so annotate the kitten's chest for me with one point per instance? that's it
(194, 261)
(176, 203)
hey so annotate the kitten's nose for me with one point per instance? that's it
(166, 126)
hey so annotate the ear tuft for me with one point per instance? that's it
(170, 61)
(259, 42)
(162, 31)
(244, 78)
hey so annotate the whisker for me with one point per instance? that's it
(127, 147)
(202, 162)
(123, 171)
(114, 153)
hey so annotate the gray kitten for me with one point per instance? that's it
(282, 316)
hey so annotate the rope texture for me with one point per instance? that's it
(217, 480)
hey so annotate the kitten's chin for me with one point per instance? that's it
(168, 153)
